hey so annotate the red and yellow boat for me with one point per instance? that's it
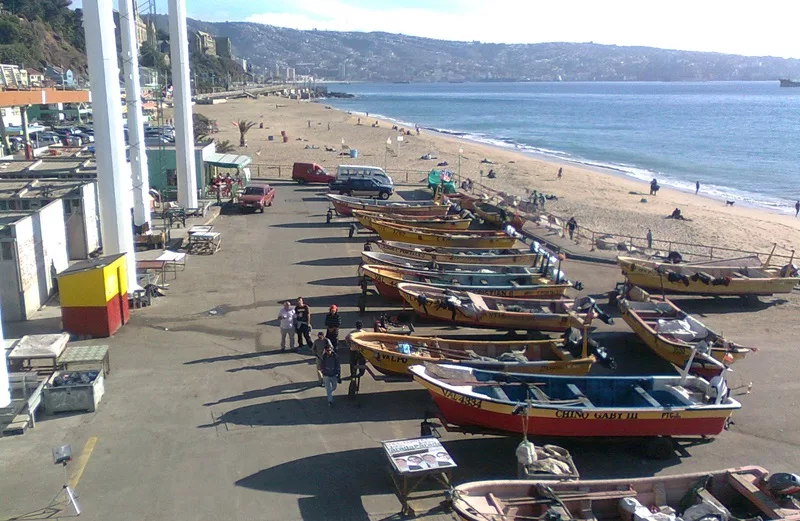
(469, 309)
(575, 406)
(394, 354)
(386, 279)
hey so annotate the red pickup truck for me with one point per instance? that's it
(256, 197)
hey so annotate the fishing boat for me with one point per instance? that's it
(463, 201)
(745, 276)
(386, 279)
(789, 83)
(495, 256)
(576, 406)
(498, 215)
(675, 336)
(432, 237)
(345, 205)
(387, 259)
(751, 492)
(394, 354)
(440, 223)
(470, 309)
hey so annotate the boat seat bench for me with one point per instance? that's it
(579, 394)
(646, 396)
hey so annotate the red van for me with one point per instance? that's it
(310, 173)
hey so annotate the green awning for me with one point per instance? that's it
(228, 160)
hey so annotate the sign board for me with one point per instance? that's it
(417, 455)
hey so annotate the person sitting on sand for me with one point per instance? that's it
(676, 214)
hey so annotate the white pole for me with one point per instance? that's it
(133, 94)
(101, 51)
(5, 384)
(184, 133)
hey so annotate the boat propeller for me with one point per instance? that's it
(573, 340)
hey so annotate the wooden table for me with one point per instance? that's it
(95, 356)
(37, 352)
(174, 260)
(158, 265)
(205, 242)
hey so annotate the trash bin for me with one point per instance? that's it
(270, 138)
(353, 152)
(285, 139)
(94, 296)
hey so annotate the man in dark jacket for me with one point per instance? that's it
(302, 323)
(331, 372)
(333, 323)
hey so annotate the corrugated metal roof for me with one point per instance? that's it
(228, 160)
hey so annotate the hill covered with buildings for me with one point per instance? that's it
(396, 57)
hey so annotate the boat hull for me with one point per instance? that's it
(466, 411)
(386, 282)
(491, 214)
(676, 353)
(345, 205)
(412, 251)
(367, 221)
(393, 363)
(650, 279)
(419, 264)
(410, 235)
(492, 319)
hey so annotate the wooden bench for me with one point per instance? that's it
(646, 396)
(579, 394)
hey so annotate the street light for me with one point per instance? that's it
(460, 151)
(386, 152)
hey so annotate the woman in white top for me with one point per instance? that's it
(286, 316)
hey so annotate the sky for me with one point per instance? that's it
(753, 28)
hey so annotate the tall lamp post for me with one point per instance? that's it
(386, 153)
(460, 151)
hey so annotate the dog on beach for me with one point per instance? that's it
(729, 203)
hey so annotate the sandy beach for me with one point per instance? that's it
(599, 201)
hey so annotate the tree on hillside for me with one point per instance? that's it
(244, 128)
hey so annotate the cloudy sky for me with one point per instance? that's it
(764, 27)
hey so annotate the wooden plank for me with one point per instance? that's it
(764, 503)
(496, 503)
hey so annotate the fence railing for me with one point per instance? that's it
(603, 240)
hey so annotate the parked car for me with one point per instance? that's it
(43, 139)
(256, 197)
(310, 173)
(362, 186)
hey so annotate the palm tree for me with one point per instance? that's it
(244, 127)
(224, 147)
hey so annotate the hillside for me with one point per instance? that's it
(396, 57)
(34, 33)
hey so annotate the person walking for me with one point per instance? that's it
(572, 224)
(318, 349)
(357, 361)
(286, 316)
(560, 172)
(333, 322)
(302, 323)
(696, 187)
(649, 239)
(796, 208)
(331, 372)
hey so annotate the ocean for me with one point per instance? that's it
(741, 140)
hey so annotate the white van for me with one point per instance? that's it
(365, 172)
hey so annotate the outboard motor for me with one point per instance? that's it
(790, 270)
(573, 341)
(586, 303)
(783, 484)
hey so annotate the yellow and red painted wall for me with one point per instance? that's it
(94, 296)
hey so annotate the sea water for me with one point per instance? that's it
(740, 140)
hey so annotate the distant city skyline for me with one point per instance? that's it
(732, 27)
